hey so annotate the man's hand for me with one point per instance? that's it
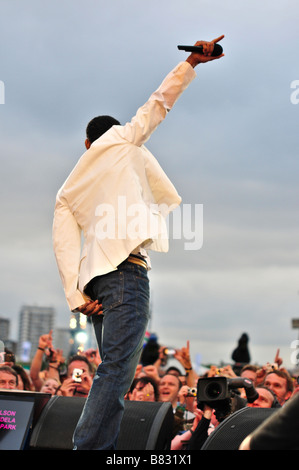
(195, 58)
(92, 307)
(183, 356)
(278, 360)
(93, 356)
(45, 341)
(146, 393)
(152, 371)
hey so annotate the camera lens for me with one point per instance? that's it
(213, 391)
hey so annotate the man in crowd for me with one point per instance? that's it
(8, 378)
(280, 383)
(79, 378)
(266, 399)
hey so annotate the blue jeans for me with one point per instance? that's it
(120, 332)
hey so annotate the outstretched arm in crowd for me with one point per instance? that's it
(45, 346)
(55, 361)
(45, 341)
(183, 356)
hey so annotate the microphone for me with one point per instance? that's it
(199, 49)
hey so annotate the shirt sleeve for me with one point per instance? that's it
(200, 435)
(154, 111)
(67, 249)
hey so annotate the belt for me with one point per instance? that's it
(137, 260)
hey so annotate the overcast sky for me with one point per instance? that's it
(230, 144)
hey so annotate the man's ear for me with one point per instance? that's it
(87, 143)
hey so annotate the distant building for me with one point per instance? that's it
(62, 340)
(34, 322)
(7, 343)
(4, 329)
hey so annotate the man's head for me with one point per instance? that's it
(169, 387)
(97, 127)
(175, 371)
(266, 399)
(8, 378)
(280, 383)
(80, 372)
(249, 372)
(79, 362)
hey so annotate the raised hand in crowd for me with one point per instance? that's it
(152, 371)
(44, 346)
(225, 371)
(183, 356)
(93, 356)
(143, 392)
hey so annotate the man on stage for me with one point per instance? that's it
(115, 179)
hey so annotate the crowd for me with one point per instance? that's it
(155, 380)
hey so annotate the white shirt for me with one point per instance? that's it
(117, 195)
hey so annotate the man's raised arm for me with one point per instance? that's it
(154, 111)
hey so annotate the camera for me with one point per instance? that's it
(7, 357)
(222, 394)
(77, 375)
(192, 392)
(169, 351)
(213, 389)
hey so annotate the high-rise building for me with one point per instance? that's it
(34, 322)
(62, 340)
(4, 329)
(5, 340)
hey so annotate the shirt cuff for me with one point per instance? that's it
(76, 299)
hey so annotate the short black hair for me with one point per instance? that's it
(79, 357)
(98, 126)
(144, 381)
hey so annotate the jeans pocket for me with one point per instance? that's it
(142, 296)
(109, 290)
